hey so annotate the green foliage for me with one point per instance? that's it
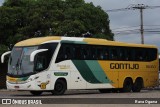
(22, 19)
(3, 49)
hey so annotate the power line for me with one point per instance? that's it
(136, 31)
(130, 7)
(151, 25)
(132, 26)
(125, 27)
(140, 7)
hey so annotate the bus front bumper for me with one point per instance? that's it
(22, 86)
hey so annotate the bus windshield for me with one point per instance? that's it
(20, 65)
(19, 62)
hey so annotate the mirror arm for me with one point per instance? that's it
(3, 55)
(36, 52)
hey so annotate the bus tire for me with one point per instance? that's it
(127, 85)
(137, 86)
(105, 90)
(60, 87)
(36, 93)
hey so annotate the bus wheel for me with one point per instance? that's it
(105, 90)
(137, 86)
(127, 85)
(36, 93)
(60, 87)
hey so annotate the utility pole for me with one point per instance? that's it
(140, 7)
(135, 7)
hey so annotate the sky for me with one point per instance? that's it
(120, 21)
(125, 24)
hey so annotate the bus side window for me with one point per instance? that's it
(67, 53)
(106, 54)
(100, 53)
(93, 53)
(121, 54)
(77, 52)
(43, 59)
(153, 54)
(144, 54)
(113, 54)
(139, 55)
(60, 56)
(85, 52)
(40, 63)
(129, 55)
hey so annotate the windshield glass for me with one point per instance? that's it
(19, 63)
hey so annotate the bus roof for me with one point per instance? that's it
(47, 39)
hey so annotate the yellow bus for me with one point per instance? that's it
(56, 64)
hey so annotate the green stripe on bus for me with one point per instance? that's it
(23, 78)
(85, 71)
(60, 73)
(97, 71)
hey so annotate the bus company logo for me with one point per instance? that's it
(43, 85)
(124, 66)
(6, 101)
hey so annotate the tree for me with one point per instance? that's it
(22, 19)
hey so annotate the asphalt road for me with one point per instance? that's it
(84, 98)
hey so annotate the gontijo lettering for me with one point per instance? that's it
(124, 66)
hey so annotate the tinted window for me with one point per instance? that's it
(122, 53)
(66, 52)
(113, 53)
(97, 52)
(42, 60)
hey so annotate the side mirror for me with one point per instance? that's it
(3, 56)
(34, 53)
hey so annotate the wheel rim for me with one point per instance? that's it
(59, 87)
(127, 86)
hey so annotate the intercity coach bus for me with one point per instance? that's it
(56, 64)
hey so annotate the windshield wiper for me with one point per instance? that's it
(20, 63)
(17, 66)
